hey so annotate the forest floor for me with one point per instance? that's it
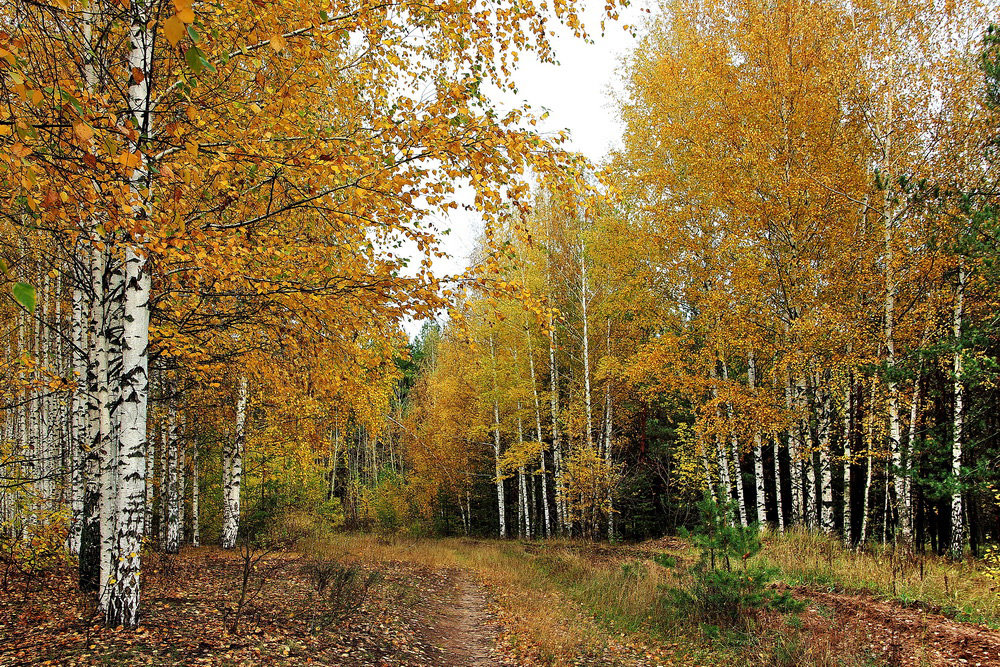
(458, 602)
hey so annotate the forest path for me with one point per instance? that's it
(451, 618)
(463, 629)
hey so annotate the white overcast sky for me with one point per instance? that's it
(577, 94)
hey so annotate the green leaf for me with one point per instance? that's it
(72, 100)
(193, 34)
(3, 266)
(24, 294)
(194, 59)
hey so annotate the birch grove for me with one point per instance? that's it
(784, 329)
(182, 223)
(777, 293)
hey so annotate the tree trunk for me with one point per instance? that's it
(907, 463)
(734, 453)
(97, 377)
(957, 546)
(866, 489)
(172, 544)
(825, 472)
(546, 515)
(811, 499)
(123, 603)
(794, 456)
(584, 298)
(721, 458)
(80, 443)
(501, 506)
(111, 368)
(847, 459)
(608, 439)
(758, 451)
(233, 471)
(522, 483)
(779, 503)
(557, 462)
(195, 493)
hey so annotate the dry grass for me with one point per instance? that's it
(560, 607)
(571, 602)
(959, 590)
(540, 623)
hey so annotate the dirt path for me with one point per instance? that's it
(463, 630)
(900, 635)
(449, 618)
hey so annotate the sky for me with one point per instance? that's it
(577, 93)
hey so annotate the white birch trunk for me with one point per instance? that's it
(147, 528)
(957, 525)
(172, 543)
(779, 503)
(866, 489)
(562, 514)
(758, 450)
(97, 377)
(501, 506)
(134, 379)
(734, 453)
(109, 454)
(584, 298)
(233, 471)
(123, 604)
(522, 483)
(721, 459)
(165, 456)
(182, 477)
(707, 468)
(546, 515)
(848, 458)
(907, 470)
(825, 473)
(811, 499)
(79, 418)
(195, 492)
(794, 457)
(609, 438)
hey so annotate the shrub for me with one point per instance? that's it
(665, 560)
(720, 595)
(342, 589)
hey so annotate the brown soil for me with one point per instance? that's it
(889, 633)
(451, 618)
(463, 629)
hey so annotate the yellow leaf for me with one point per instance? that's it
(83, 131)
(173, 28)
(278, 43)
(186, 15)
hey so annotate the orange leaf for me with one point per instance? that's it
(83, 131)
(173, 28)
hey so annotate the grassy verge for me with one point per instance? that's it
(569, 602)
(963, 591)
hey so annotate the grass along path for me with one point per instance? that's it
(567, 602)
(456, 602)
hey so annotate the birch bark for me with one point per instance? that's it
(957, 525)
(233, 470)
(501, 506)
(758, 451)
